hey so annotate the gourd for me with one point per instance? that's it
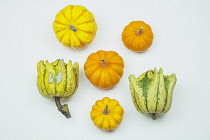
(58, 81)
(152, 92)
(137, 36)
(104, 68)
(107, 114)
(75, 26)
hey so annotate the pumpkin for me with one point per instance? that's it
(137, 36)
(107, 114)
(152, 92)
(104, 68)
(58, 81)
(75, 26)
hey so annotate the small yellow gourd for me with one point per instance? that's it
(107, 114)
(75, 26)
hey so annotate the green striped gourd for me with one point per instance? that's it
(58, 81)
(152, 92)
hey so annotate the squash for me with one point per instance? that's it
(137, 36)
(107, 114)
(75, 26)
(58, 81)
(104, 68)
(152, 92)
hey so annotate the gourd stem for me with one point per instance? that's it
(106, 110)
(71, 27)
(103, 62)
(153, 115)
(138, 32)
(62, 108)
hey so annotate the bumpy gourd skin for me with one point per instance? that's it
(57, 79)
(75, 26)
(110, 119)
(152, 92)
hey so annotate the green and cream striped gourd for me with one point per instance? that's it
(58, 81)
(152, 92)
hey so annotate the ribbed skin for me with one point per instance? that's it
(75, 26)
(112, 119)
(107, 76)
(134, 41)
(57, 79)
(152, 92)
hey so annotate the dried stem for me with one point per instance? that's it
(62, 108)
(71, 27)
(103, 62)
(153, 115)
(106, 110)
(138, 32)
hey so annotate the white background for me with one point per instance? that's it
(181, 45)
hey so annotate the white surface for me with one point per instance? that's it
(181, 45)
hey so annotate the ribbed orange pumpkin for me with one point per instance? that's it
(137, 36)
(104, 68)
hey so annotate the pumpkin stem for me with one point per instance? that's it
(138, 32)
(103, 62)
(153, 115)
(62, 108)
(106, 110)
(71, 27)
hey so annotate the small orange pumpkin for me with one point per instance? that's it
(104, 68)
(137, 36)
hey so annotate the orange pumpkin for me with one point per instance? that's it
(104, 68)
(137, 36)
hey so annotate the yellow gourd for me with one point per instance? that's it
(137, 36)
(104, 68)
(75, 26)
(107, 114)
(58, 81)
